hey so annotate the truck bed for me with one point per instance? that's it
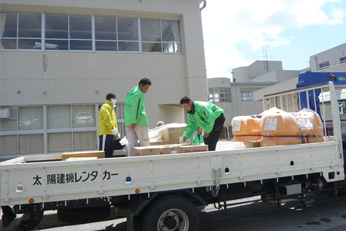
(52, 180)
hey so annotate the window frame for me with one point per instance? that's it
(248, 98)
(220, 95)
(324, 65)
(166, 47)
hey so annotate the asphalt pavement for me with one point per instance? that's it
(327, 214)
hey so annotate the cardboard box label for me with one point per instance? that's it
(194, 148)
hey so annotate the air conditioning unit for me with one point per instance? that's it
(5, 113)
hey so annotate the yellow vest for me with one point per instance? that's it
(107, 119)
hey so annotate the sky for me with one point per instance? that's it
(237, 33)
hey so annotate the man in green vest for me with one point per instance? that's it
(136, 121)
(199, 137)
(205, 115)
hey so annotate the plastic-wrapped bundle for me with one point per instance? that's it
(167, 134)
(310, 124)
(246, 128)
(279, 128)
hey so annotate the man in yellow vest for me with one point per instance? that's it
(108, 126)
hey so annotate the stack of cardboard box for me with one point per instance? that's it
(168, 149)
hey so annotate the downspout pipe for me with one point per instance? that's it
(204, 5)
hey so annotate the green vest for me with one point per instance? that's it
(205, 115)
(135, 108)
(198, 139)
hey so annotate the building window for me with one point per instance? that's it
(21, 30)
(83, 116)
(343, 60)
(128, 34)
(56, 139)
(32, 143)
(9, 33)
(246, 96)
(57, 32)
(160, 36)
(171, 41)
(324, 65)
(151, 35)
(88, 33)
(106, 34)
(219, 95)
(8, 145)
(80, 33)
(30, 118)
(66, 128)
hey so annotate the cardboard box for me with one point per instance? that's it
(170, 149)
(156, 150)
(194, 148)
(98, 154)
(253, 143)
(146, 150)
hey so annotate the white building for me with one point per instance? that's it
(60, 58)
(236, 97)
(330, 58)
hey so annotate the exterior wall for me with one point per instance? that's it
(237, 107)
(240, 74)
(226, 106)
(332, 56)
(337, 68)
(284, 86)
(241, 108)
(260, 67)
(29, 78)
(291, 84)
(257, 68)
(276, 76)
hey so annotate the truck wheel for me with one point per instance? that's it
(171, 213)
(31, 220)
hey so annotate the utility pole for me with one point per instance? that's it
(264, 50)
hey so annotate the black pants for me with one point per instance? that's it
(214, 135)
(108, 144)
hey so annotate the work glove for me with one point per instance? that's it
(114, 130)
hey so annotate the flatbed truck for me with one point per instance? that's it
(163, 192)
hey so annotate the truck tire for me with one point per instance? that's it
(31, 220)
(171, 213)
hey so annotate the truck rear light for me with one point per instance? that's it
(31, 201)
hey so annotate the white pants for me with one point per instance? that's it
(140, 133)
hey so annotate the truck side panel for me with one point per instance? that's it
(59, 181)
